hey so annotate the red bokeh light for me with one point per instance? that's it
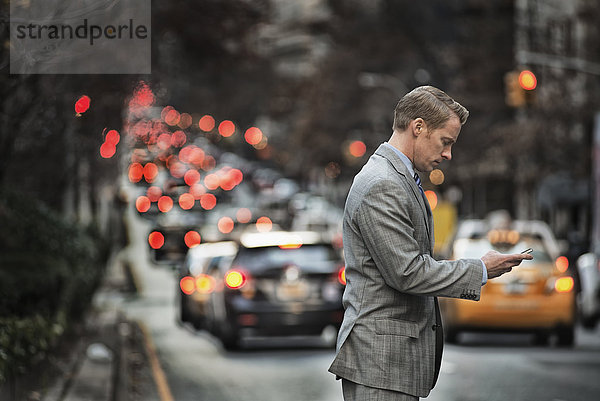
(107, 150)
(206, 123)
(208, 201)
(186, 201)
(253, 135)
(264, 224)
(225, 225)
(178, 139)
(177, 169)
(226, 128)
(156, 240)
(112, 137)
(191, 177)
(172, 117)
(82, 104)
(185, 120)
(150, 172)
(192, 239)
(212, 181)
(165, 204)
(243, 215)
(142, 204)
(357, 148)
(164, 141)
(432, 199)
(136, 172)
(562, 264)
(187, 285)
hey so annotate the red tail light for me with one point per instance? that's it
(562, 264)
(187, 285)
(235, 279)
(342, 275)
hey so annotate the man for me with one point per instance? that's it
(389, 344)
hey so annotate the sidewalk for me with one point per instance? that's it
(112, 361)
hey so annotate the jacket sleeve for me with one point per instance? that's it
(388, 229)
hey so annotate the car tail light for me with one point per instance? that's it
(205, 284)
(562, 264)
(235, 279)
(187, 285)
(342, 275)
(564, 284)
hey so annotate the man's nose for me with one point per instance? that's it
(447, 154)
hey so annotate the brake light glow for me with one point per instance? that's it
(564, 284)
(562, 264)
(342, 275)
(235, 279)
(187, 285)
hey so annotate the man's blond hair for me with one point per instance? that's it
(431, 104)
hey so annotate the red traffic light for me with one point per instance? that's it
(527, 80)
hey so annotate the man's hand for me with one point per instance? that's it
(498, 263)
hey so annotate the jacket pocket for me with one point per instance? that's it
(396, 327)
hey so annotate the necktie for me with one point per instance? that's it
(439, 331)
(418, 181)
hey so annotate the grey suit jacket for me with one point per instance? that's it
(386, 338)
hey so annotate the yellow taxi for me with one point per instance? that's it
(537, 296)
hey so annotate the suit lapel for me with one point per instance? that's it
(400, 167)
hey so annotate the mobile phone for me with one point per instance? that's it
(528, 250)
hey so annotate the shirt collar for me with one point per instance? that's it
(403, 157)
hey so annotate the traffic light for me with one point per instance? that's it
(519, 88)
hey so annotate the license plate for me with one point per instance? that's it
(292, 292)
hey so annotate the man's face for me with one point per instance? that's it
(432, 146)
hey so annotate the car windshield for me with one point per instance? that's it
(309, 257)
(465, 248)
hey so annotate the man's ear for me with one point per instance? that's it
(418, 125)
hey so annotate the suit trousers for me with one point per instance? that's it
(357, 392)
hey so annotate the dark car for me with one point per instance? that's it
(278, 284)
(195, 286)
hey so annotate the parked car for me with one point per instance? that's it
(588, 267)
(278, 284)
(195, 285)
(537, 296)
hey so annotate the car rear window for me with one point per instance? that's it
(305, 256)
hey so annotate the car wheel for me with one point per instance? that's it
(566, 336)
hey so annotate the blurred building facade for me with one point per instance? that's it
(559, 41)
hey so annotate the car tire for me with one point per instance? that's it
(566, 336)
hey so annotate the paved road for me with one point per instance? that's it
(483, 367)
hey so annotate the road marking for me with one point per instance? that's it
(159, 375)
